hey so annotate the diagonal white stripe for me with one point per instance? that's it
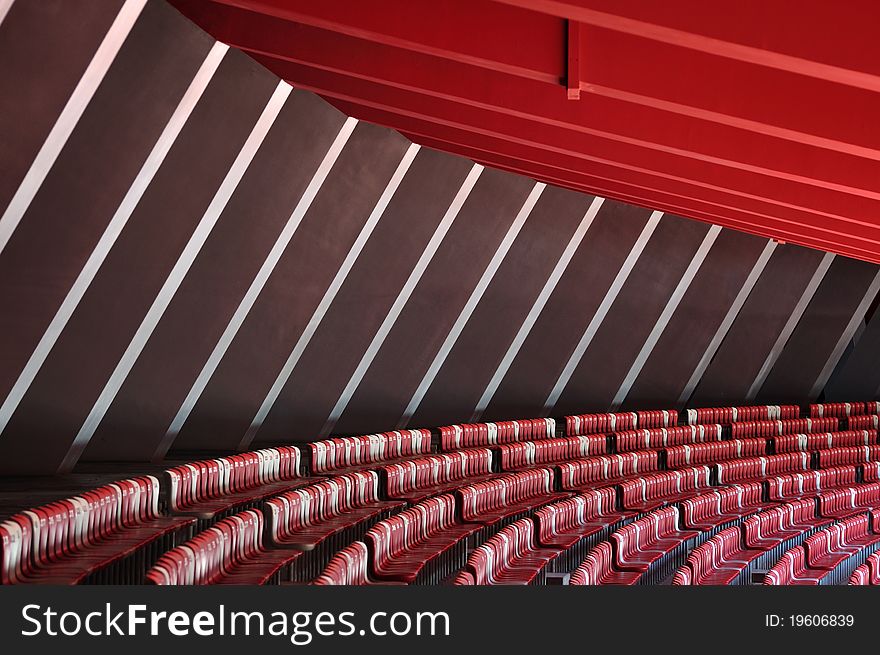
(256, 287)
(537, 308)
(661, 323)
(112, 231)
(5, 6)
(68, 118)
(848, 332)
(602, 311)
(177, 274)
(469, 307)
(402, 298)
(726, 324)
(790, 325)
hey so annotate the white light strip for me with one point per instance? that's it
(602, 311)
(5, 6)
(471, 304)
(112, 231)
(537, 308)
(727, 323)
(856, 320)
(790, 325)
(256, 287)
(177, 274)
(330, 295)
(402, 298)
(665, 316)
(68, 118)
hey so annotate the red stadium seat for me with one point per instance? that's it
(647, 493)
(824, 440)
(598, 569)
(350, 567)
(352, 453)
(605, 470)
(229, 552)
(421, 545)
(215, 488)
(661, 437)
(600, 423)
(511, 557)
(714, 451)
(780, 427)
(102, 535)
(527, 454)
(416, 479)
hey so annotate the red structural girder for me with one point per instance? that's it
(760, 118)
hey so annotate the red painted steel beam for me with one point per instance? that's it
(573, 74)
(804, 198)
(811, 38)
(630, 188)
(748, 119)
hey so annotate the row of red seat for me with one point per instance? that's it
(752, 468)
(729, 415)
(791, 486)
(511, 557)
(662, 437)
(416, 479)
(648, 492)
(823, 440)
(863, 422)
(584, 474)
(579, 424)
(868, 573)
(818, 410)
(350, 453)
(214, 488)
(526, 454)
(326, 516)
(471, 435)
(108, 534)
(229, 552)
(829, 556)
(788, 426)
(733, 554)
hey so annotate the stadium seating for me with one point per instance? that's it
(648, 492)
(868, 573)
(752, 468)
(421, 545)
(728, 415)
(325, 516)
(809, 483)
(840, 503)
(605, 470)
(601, 423)
(229, 552)
(473, 435)
(352, 453)
(789, 426)
(526, 454)
(634, 498)
(510, 557)
(212, 489)
(661, 437)
(823, 440)
(576, 524)
(416, 479)
(714, 451)
(109, 534)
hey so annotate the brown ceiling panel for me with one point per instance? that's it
(182, 343)
(435, 303)
(497, 318)
(695, 321)
(846, 286)
(580, 291)
(757, 327)
(632, 316)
